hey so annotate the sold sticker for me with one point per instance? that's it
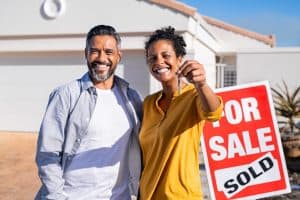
(242, 151)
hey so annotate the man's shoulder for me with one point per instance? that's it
(121, 82)
(78, 84)
(69, 87)
(67, 93)
(133, 91)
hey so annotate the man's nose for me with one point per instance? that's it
(101, 56)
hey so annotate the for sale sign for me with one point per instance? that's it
(242, 151)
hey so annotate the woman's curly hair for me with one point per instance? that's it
(168, 33)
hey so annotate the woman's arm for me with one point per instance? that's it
(195, 73)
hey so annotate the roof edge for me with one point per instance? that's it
(268, 39)
(176, 5)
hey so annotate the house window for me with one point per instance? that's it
(226, 75)
(229, 75)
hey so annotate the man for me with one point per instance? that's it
(88, 141)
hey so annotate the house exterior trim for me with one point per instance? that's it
(268, 39)
(181, 7)
(191, 11)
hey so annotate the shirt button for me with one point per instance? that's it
(78, 140)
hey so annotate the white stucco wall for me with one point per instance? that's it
(136, 71)
(25, 84)
(273, 65)
(126, 15)
(231, 41)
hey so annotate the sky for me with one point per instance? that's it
(278, 17)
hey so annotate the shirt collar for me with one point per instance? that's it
(86, 81)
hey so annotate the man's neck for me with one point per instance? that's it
(105, 85)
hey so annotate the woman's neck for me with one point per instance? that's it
(171, 87)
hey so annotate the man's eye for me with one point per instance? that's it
(93, 51)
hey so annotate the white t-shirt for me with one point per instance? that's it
(99, 169)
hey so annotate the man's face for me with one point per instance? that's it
(102, 55)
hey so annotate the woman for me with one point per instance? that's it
(173, 120)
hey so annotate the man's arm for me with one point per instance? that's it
(50, 148)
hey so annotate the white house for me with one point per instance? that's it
(42, 42)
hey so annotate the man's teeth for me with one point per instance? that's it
(101, 66)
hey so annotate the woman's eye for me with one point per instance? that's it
(166, 56)
(151, 58)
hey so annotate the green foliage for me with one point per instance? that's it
(287, 105)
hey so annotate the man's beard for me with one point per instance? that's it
(94, 67)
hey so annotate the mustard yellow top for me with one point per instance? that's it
(170, 145)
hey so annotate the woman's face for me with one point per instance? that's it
(162, 60)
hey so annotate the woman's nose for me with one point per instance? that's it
(159, 60)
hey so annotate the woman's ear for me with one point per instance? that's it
(180, 59)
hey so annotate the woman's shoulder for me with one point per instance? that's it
(152, 97)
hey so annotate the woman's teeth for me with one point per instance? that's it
(162, 70)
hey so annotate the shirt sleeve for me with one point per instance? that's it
(49, 148)
(214, 115)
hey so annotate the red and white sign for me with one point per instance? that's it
(242, 151)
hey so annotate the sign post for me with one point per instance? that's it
(242, 151)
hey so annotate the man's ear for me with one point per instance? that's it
(119, 56)
(85, 52)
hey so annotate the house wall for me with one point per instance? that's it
(273, 65)
(26, 81)
(231, 41)
(126, 15)
(136, 71)
(38, 53)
